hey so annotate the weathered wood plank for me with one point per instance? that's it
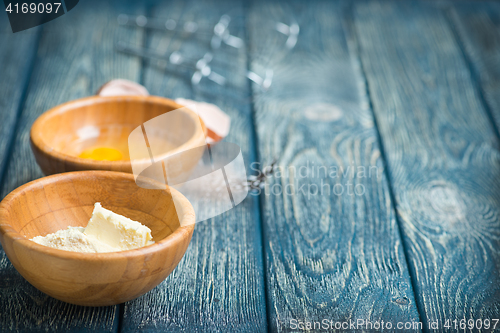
(218, 286)
(17, 55)
(332, 245)
(75, 56)
(478, 26)
(442, 155)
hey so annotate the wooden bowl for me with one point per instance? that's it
(55, 202)
(60, 135)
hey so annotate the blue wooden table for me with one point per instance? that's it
(385, 205)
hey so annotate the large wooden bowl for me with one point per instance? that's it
(60, 135)
(55, 202)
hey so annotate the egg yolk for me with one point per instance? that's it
(102, 154)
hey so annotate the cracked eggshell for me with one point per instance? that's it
(216, 120)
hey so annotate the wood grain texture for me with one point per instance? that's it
(75, 57)
(49, 204)
(218, 286)
(17, 62)
(478, 26)
(332, 245)
(442, 155)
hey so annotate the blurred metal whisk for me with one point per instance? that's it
(220, 33)
(292, 31)
(201, 67)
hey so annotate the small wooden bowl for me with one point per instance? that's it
(55, 202)
(61, 134)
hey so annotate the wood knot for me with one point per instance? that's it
(401, 300)
(455, 209)
(438, 206)
(446, 201)
(323, 112)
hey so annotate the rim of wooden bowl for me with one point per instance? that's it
(171, 241)
(38, 125)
